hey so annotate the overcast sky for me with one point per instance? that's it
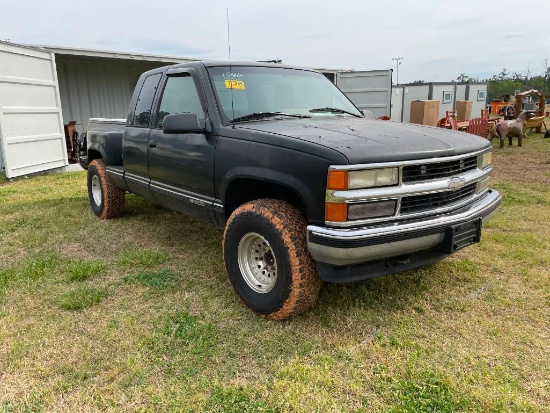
(438, 40)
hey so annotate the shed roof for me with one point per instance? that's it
(143, 57)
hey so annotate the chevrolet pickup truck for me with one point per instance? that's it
(307, 187)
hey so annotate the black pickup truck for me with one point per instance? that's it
(307, 188)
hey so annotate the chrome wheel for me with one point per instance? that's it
(257, 262)
(96, 190)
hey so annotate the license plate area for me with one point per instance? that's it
(461, 235)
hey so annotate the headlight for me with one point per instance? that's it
(371, 210)
(370, 178)
(484, 160)
(342, 180)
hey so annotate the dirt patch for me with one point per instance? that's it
(74, 250)
(9, 258)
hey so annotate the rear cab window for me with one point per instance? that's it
(142, 111)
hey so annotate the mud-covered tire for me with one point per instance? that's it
(106, 199)
(267, 259)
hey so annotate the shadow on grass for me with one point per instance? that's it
(201, 242)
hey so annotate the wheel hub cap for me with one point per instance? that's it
(96, 190)
(257, 263)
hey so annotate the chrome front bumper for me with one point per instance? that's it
(342, 247)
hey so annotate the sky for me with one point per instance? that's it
(437, 40)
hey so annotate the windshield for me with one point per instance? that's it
(248, 93)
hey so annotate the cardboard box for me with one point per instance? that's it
(425, 112)
(464, 109)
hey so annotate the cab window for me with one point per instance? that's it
(180, 96)
(142, 111)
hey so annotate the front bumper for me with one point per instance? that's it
(337, 247)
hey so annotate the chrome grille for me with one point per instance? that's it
(428, 202)
(427, 171)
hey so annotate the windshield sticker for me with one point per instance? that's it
(234, 84)
(232, 75)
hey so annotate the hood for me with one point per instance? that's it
(366, 141)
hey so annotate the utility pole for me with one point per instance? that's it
(397, 63)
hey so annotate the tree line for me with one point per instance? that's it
(506, 82)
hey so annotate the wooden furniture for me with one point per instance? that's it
(450, 114)
(424, 112)
(478, 126)
(535, 123)
(446, 121)
(453, 123)
(541, 109)
(492, 120)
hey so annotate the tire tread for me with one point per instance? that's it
(113, 196)
(290, 225)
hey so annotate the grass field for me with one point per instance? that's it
(137, 314)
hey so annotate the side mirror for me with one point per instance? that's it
(182, 123)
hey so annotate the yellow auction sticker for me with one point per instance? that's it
(234, 84)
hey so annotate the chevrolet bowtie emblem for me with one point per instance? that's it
(457, 183)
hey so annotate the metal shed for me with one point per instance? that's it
(42, 88)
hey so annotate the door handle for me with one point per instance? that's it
(152, 144)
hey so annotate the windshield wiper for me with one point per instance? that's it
(265, 115)
(334, 110)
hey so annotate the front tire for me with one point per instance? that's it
(267, 260)
(106, 199)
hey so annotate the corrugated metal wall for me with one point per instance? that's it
(368, 90)
(96, 87)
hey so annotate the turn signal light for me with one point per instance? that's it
(337, 180)
(336, 212)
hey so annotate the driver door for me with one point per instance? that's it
(181, 166)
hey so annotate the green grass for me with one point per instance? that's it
(137, 314)
(426, 392)
(237, 400)
(79, 298)
(80, 270)
(156, 280)
(142, 257)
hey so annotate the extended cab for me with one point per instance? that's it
(307, 188)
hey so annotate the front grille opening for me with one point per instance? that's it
(428, 171)
(429, 202)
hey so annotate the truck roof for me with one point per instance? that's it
(213, 63)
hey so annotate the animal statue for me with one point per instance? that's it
(511, 128)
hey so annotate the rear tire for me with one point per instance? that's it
(267, 260)
(106, 199)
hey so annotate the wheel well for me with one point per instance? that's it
(93, 155)
(241, 191)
